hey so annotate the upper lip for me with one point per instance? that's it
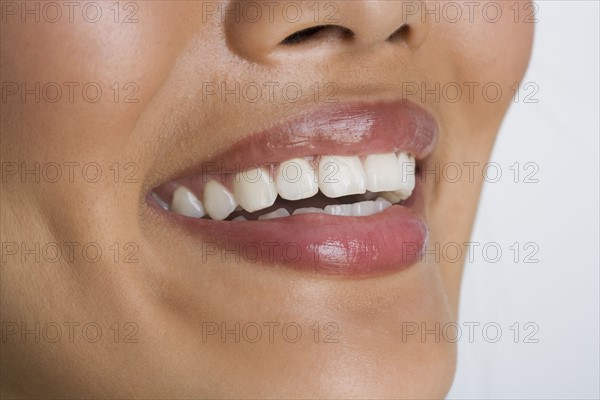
(344, 129)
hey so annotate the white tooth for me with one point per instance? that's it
(282, 212)
(393, 197)
(296, 180)
(344, 210)
(163, 204)
(239, 218)
(341, 176)
(308, 210)
(254, 190)
(407, 171)
(382, 204)
(407, 167)
(364, 209)
(218, 201)
(185, 203)
(381, 171)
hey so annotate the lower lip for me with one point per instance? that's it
(386, 242)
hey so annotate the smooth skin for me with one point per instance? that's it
(171, 295)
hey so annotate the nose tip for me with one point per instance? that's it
(255, 30)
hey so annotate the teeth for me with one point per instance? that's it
(344, 210)
(341, 176)
(381, 179)
(185, 203)
(407, 166)
(382, 204)
(218, 201)
(393, 197)
(254, 190)
(360, 209)
(296, 180)
(282, 212)
(308, 210)
(364, 209)
(381, 171)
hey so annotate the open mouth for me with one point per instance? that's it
(332, 191)
(333, 185)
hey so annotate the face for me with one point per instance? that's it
(141, 142)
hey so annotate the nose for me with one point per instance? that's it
(256, 30)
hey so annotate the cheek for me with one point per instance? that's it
(495, 51)
(492, 55)
(486, 58)
(87, 83)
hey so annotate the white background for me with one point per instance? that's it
(560, 214)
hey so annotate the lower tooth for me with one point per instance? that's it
(364, 209)
(344, 210)
(282, 212)
(308, 210)
(360, 209)
(382, 204)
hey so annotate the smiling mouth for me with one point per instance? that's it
(336, 186)
(333, 185)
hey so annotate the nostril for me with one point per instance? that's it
(400, 35)
(318, 32)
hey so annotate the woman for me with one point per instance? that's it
(243, 200)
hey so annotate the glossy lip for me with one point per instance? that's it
(350, 246)
(389, 241)
(340, 129)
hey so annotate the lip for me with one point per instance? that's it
(389, 241)
(346, 129)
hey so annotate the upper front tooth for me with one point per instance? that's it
(407, 170)
(382, 172)
(254, 190)
(218, 201)
(341, 176)
(296, 180)
(186, 203)
(407, 166)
